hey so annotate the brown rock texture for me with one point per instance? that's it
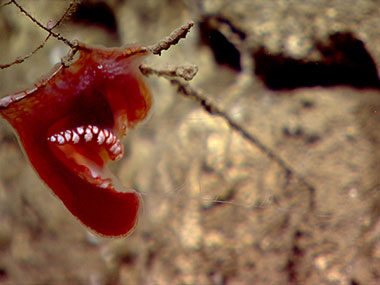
(301, 76)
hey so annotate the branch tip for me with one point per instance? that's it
(172, 39)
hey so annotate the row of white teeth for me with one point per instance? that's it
(88, 133)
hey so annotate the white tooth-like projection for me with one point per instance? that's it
(75, 138)
(80, 130)
(117, 150)
(104, 138)
(68, 135)
(95, 129)
(60, 139)
(110, 139)
(88, 136)
(101, 137)
(113, 147)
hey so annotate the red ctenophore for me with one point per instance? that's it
(70, 125)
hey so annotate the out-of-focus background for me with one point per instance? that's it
(299, 75)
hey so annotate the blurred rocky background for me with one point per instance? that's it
(299, 75)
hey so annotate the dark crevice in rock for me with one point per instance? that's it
(95, 13)
(3, 274)
(344, 60)
(295, 259)
(224, 50)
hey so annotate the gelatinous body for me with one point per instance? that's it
(70, 126)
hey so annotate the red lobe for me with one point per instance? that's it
(70, 126)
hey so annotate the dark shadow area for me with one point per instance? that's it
(296, 255)
(95, 13)
(344, 61)
(3, 274)
(224, 51)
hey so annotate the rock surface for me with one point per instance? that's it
(217, 210)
